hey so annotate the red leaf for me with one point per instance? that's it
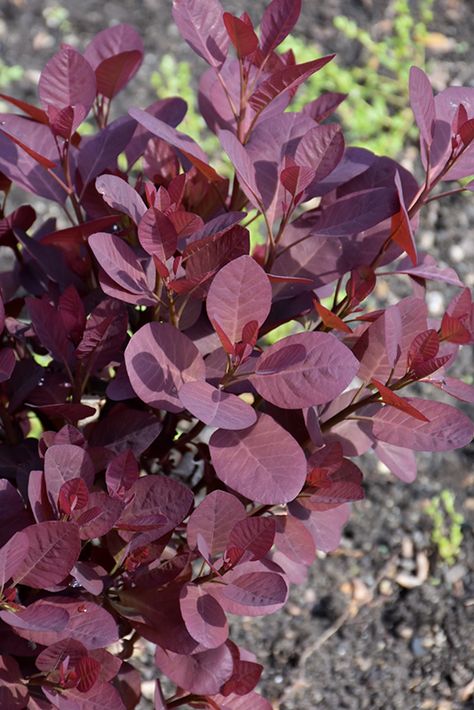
(287, 79)
(253, 536)
(73, 495)
(389, 397)
(453, 330)
(424, 347)
(88, 670)
(45, 162)
(330, 319)
(241, 35)
(401, 230)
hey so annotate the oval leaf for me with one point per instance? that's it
(263, 463)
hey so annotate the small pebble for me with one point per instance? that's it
(416, 647)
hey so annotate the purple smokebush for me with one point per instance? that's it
(164, 462)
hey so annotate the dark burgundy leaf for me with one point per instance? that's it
(324, 106)
(99, 515)
(252, 593)
(89, 623)
(63, 462)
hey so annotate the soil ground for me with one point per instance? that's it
(383, 623)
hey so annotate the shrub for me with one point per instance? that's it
(163, 465)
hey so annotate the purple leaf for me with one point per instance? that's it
(50, 658)
(90, 576)
(400, 461)
(371, 348)
(393, 334)
(292, 380)
(104, 334)
(13, 515)
(120, 263)
(454, 387)
(204, 617)
(252, 593)
(287, 79)
(99, 516)
(357, 212)
(23, 169)
(294, 540)
(202, 673)
(126, 428)
(49, 328)
(263, 463)
(447, 429)
(240, 293)
(102, 696)
(62, 462)
(121, 473)
(159, 360)
(101, 151)
(422, 103)
(157, 234)
(121, 196)
(115, 54)
(39, 616)
(428, 268)
(53, 549)
(253, 536)
(68, 80)
(325, 526)
(202, 26)
(322, 149)
(158, 502)
(215, 407)
(7, 363)
(174, 138)
(11, 556)
(279, 18)
(324, 106)
(214, 519)
(89, 623)
(13, 691)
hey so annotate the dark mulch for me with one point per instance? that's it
(356, 635)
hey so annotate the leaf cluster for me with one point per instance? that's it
(165, 461)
